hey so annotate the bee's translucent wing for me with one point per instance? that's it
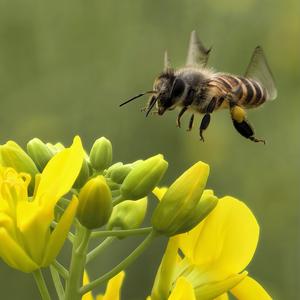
(197, 53)
(258, 69)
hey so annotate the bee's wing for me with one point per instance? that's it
(258, 69)
(197, 53)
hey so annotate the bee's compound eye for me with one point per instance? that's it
(178, 88)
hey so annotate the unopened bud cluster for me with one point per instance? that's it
(114, 195)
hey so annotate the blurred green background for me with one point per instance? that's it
(65, 66)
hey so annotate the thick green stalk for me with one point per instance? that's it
(78, 259)
(122, 265)
(39, 279)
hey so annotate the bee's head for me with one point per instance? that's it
(168, 89)
(163, 87)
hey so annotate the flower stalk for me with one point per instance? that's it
(40, 281)
(77, 265)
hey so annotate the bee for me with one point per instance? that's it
(198, 89)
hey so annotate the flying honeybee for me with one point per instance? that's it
(198, 89)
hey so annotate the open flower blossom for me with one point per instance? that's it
(113, 288)
(212, 258)
(25, 221)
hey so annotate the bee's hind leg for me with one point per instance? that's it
(183, 110)
(242, 126)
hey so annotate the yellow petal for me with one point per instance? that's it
(183, 290)
(33, 223)
(222, 297)
(159, 192)
(214, 289)
(60, 174)
(164, 276)
(113, 288)
(225, 241)
(249, 289)
(14, 255)
(60, 233)
(86, 280)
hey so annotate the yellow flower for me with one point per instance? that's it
(216, 252)
(113, 288)
(27, 243)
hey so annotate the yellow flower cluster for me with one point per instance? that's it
(211, 240)
(25, 221)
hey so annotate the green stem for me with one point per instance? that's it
(78, 259)
(121, 233)
(57, 283)
(122, 265)
(39, 279)
(96, 251)
(60, 269)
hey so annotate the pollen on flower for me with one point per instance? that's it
(13, 186)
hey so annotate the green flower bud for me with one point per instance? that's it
(206, 204)
(95, 203)
(128, 214)
(39, 152)
(56, 147)
(113, 167)
(12, 155)
(178, 208)
(143, 177)
(119, 174)
(83, 175)
(101, 154)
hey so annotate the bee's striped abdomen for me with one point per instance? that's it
(248, 93)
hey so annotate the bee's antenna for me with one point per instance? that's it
(138, 96)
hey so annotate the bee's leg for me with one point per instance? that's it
(241, 124)
(183, 110)
(204, 124)
(206, 119)
(191, 122)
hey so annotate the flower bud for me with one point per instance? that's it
(144, 177)
(39, 152)
(128, 214)
(83, 175)
(95, 203)
(119, 174)
(177, 209)
(55, 148)
(206, 204)
(12, 155)
(101, 154)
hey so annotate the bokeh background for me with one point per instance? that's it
(65, 66)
